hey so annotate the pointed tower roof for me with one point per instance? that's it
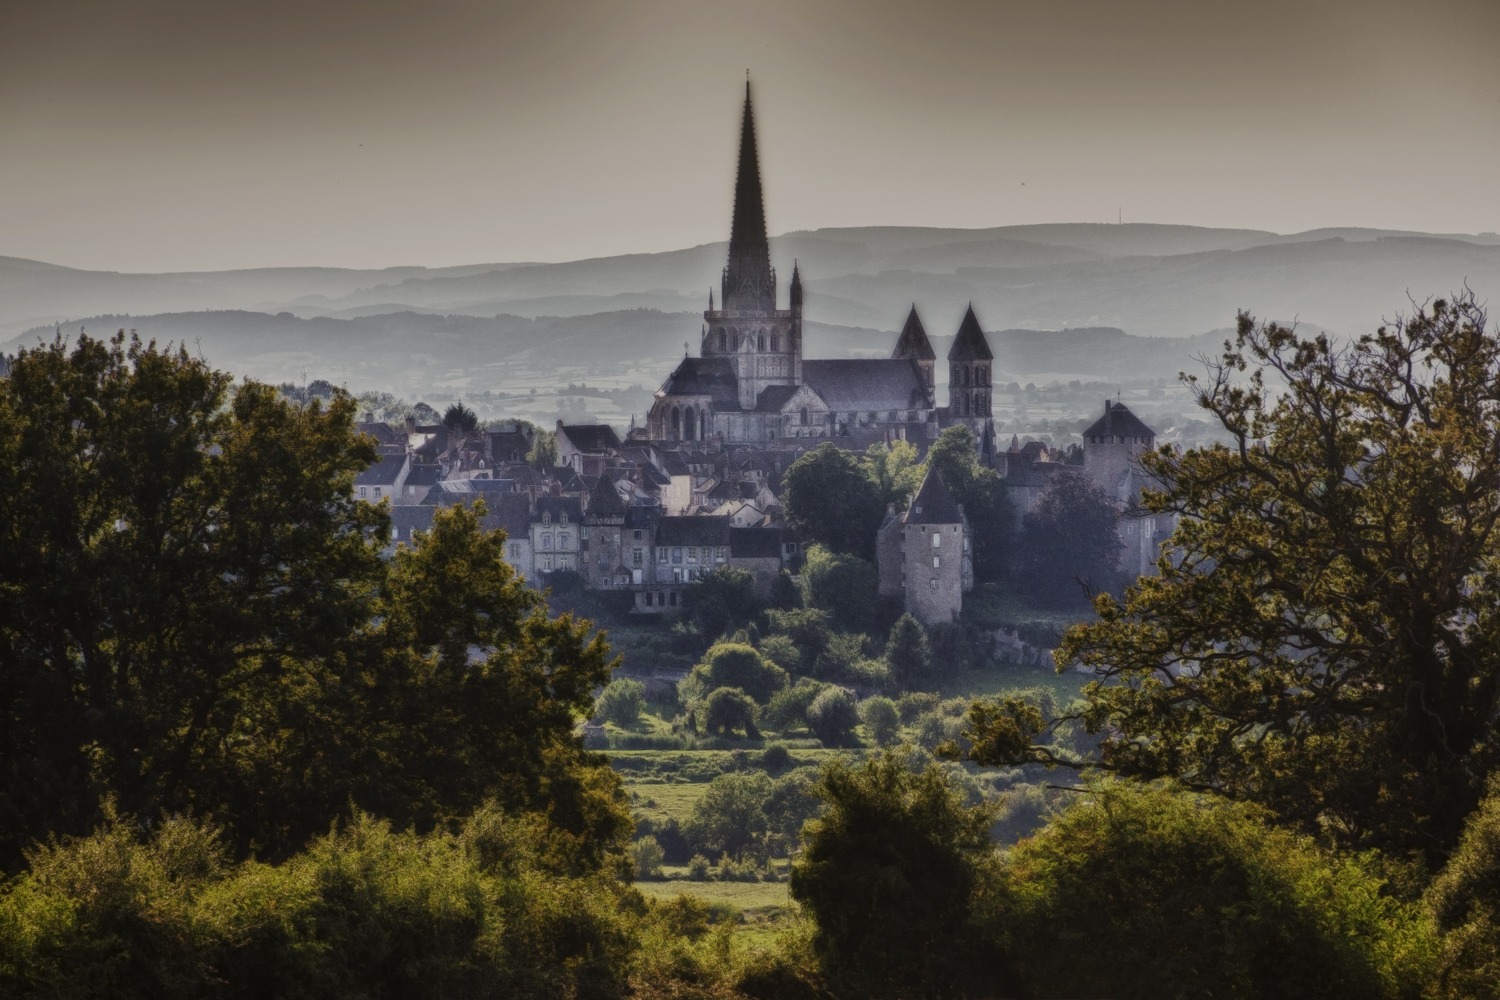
(747, 279)
(604, 499)
(970, 344)
(913, 342)
(933, 504)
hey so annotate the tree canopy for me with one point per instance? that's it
(1070, 543)
(983, 494)
(1322, 637)
(831, 500)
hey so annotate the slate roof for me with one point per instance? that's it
(557, 506)
(408, 517)
(1118, 420)
(384, 433)
(508, 446)
(712, 377)
(423, 475)
(709, 529)
(674, 464)
(933, 504)
(604, 499)
(642, 516)
(383, 472)
(913, 342)
(755, 543)
(773, 397)
(510, 511)
(970, 344)
(867, 383)
(591, 437)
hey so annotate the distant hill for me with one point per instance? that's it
(1148, 280)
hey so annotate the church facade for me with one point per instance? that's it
(751, 384)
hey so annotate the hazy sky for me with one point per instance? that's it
(206, 134)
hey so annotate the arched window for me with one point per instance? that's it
(676, 424)
(966, 375)
(775, 342)
(723, 340)
(804, 416)
(687, 424)
(734, 339)
(760, 344)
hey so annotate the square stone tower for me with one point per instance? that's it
(925, 556)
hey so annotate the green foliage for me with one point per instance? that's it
(808, 628)
(722, 601)
(1465, 902)
(906, 650)
(1070, 545)
(728, 709)
(543, 454)
(788, 707)
(952, 653)
(915, 703)
(842, 651)
(196, 617)
(776, 758)
(782, 651)
(831, 501)
(698, 868)
(459, 419)
(983, 494)
(895, 472)
(1220, 904)
(622, 702)
(881, 719)
(739, 666)
(648, 856)
(365, 911)
(785, 594)
(832, 717)
(935, 729)
(845, 586)
(890, 875)
(729, 818)
(1332, 586)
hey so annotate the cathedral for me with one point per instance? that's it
(750, 383)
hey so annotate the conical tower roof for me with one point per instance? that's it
(747, 279)
(933, 504)
(604, 499)
(970, 344)
(913, 342)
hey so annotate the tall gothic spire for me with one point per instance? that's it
(749, 283)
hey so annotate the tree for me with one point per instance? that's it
(425, 414)
(832, 717)
(1465, 902)
(1070, 541)
(831, 501)
(895, 471)
(459, 419)
(785, 594)
(721, 601)
(729, 816)
(906, 650)
(889, 875)
(648, 857)
(736, 665)
(621, 702)
(788, 707)
(881, 719)
(1271, 914)
(196, 618)
(543, 454)
(983, 494)
(845, 586)
(1324, 634)
(728, 709)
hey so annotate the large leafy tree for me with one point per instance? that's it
(895, 470)
(982, 492)
(831, 500)
(195, 616)
(1324, 634)
(1070, 545)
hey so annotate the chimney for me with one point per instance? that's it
(369, 417)
(890, 508)
(411, 425)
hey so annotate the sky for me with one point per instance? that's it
(210, 134)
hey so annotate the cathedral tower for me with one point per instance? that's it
(762, 343)
(969, 371)
(913, 344)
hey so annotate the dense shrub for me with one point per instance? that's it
(621, 702)
(788, 707)
(832, 717)
(906, 650)
(1157, 895)
(914, 703)
(363, 912)
(951, 651)
(782, 651)
(808, 628)
(1465, 901)
(776, 758)
(890, 875)
(845, 586)
(730, 816)
(934, 729)
(648, 857)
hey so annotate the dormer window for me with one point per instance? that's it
(562, 517)
(546, 519)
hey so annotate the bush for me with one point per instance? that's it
(698, 868)
(1465, 902)
(951, 653)
(1270, 914)
(935, 729)
(842, 651)
(788, 707)
(648, 856)
(728, 709)
(808, 628)
(621, 703)
(776, 758)
(890, 875)
(832, 717)
(915, 703)
(881, 719)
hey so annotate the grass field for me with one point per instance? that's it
(745, 896)
(663, 801)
